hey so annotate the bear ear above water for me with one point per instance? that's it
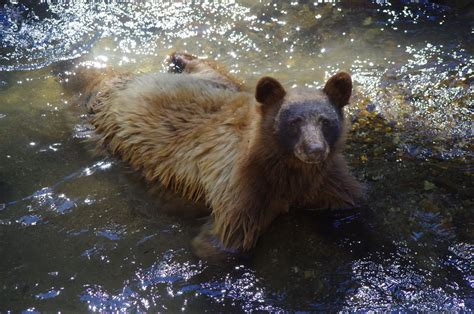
(339, 89)
(269, 91)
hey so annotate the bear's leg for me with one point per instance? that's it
(207, 246)
(178, 61)
(209, 70)
(237, 229)
(339, 190)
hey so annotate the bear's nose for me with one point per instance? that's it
(313, 149)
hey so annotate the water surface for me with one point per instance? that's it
(79, 232)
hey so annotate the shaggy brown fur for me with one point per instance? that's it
(203, 135)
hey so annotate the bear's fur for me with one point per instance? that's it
(249, 156)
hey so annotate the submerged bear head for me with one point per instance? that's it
(306, 123)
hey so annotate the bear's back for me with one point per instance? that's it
(181, 130)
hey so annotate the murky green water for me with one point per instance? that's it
(78, 232)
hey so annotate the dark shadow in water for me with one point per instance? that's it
(5, 191)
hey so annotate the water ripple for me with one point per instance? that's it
(397, 283)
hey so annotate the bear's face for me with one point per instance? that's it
(308, 126)
(308, 122)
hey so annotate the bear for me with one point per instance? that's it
(250, 154)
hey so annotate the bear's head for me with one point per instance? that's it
(306, 123)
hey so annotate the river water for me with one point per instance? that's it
(78, 232)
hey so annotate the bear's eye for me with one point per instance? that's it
(296, 121)
(325, 122)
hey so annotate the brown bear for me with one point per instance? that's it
(250, 156)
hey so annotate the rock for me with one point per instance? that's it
(428, 206)
(428, 186)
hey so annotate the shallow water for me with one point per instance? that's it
(78, 232)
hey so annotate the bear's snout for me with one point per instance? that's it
(312, 153)
(311, 148)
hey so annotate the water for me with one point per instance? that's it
(79, 232)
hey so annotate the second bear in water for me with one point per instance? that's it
(249, 156)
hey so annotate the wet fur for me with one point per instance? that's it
(202, 134)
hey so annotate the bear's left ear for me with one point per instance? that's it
(269, 91)
(339, 88)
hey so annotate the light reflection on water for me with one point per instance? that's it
(400, 284)
(167, 278)
(67, 213)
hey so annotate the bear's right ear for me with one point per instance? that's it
(339, 89)
(269, 91)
